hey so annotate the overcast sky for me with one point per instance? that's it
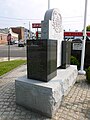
(20, 12)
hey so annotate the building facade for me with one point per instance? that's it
(3, 35)
(14, 36)
(22, 32)
(3, 38)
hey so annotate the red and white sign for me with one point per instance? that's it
(36, 25)
(75, 34)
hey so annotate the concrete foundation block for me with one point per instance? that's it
(45, 97)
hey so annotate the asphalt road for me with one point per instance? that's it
(15, 51)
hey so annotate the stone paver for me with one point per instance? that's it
(75, 106)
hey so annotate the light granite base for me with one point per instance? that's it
(45, 97)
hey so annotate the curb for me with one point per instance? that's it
(12, 58)
(4, 75)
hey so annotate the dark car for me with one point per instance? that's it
(10, 42)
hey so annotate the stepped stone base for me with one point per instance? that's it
(45, 97)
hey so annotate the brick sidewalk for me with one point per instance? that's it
(75, 106)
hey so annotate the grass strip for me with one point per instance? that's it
(7, 66)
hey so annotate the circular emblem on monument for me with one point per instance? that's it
(56, 21)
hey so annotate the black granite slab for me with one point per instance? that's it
(66, 53)
(41, 59)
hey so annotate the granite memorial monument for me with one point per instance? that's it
(31, 92)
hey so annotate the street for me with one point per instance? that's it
(15, 51)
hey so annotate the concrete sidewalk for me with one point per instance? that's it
(75, 106)
(11, 58)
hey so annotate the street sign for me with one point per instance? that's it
(9, 40)
(9, 37)
(36, 25)
(75, 34)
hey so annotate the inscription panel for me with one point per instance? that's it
(41, 59)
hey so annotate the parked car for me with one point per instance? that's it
(16, 42)
(21, 43)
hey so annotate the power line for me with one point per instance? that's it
(35, 19)
(73, 21)
(19, 21)
(17, 18)
(7, 20)
(10, 18)
(75, 16)
(2, 18)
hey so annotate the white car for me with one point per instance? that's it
(16, 42)
(21, 43)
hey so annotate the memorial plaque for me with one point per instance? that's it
(66, 53)
(76, 49)
(77, 46)
(41, 59)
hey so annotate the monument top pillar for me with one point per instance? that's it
(49, 13)
(51, 29)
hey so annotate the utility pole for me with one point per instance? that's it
(29, 30)
(48, 4)
(81, 71)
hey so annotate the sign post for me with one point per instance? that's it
(81, 71)
(9, 40)
(36, 25)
